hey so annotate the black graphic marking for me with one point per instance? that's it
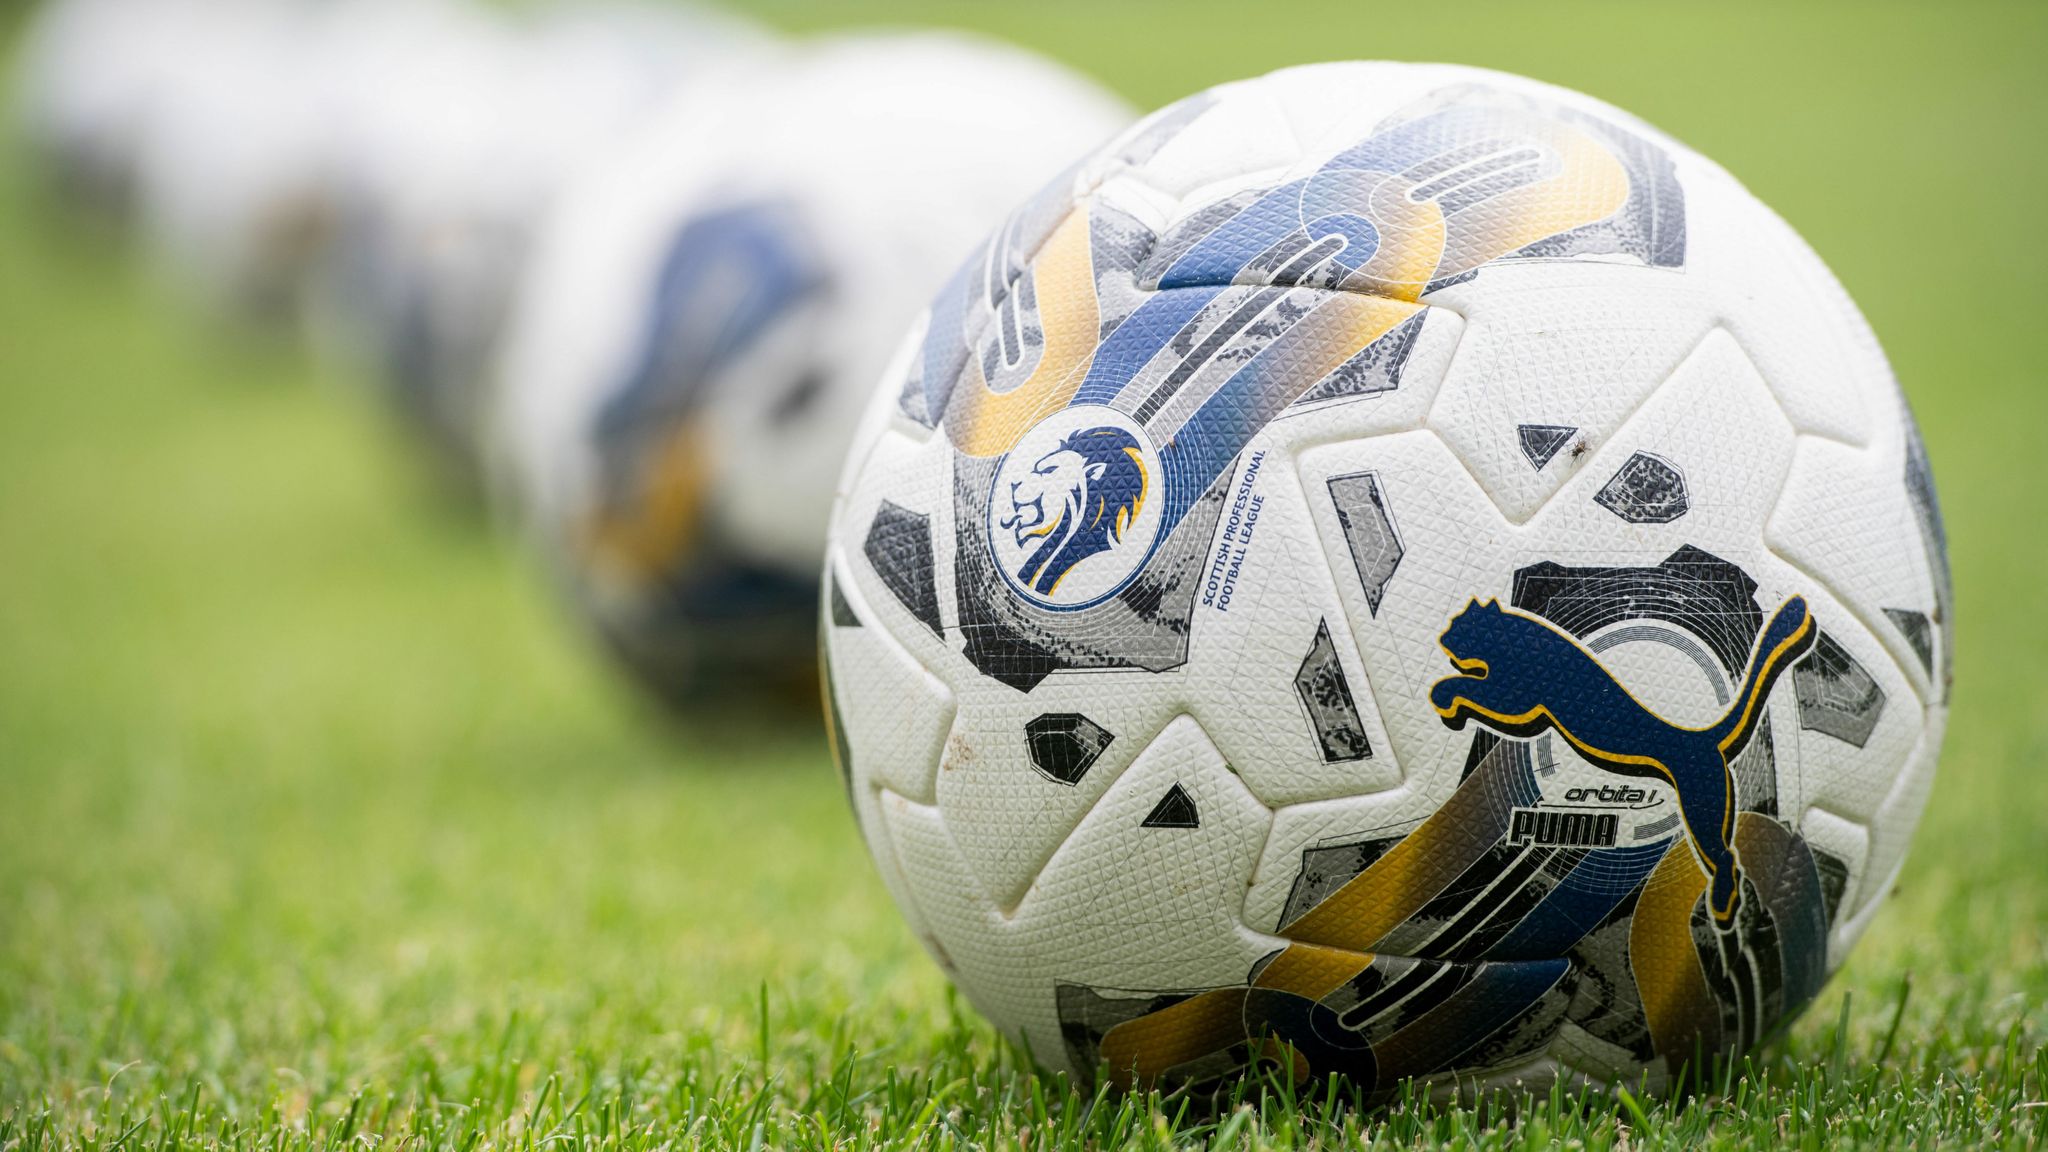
(1836, 696)
(1648, 490)
(1064, 745)
(900, 547)
(1541, 442)
(1327, 696)
(1176, 809)
(1369, 531)
(842, 612)
(1918, 631)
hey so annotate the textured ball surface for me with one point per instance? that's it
(709, 308)
(1396, 571)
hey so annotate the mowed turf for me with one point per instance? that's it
(318, 827)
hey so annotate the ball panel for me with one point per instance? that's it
(1452, 545)
(1235, 134)
(1846, 517)
(1841, 854)
(1008, 823)
(895, 532)
(1892, 827)
(1122, 909)
(881, 813)
(1787, 310)
(1273, 673)
(1714, 428)
(890, 708)
(1580, 346)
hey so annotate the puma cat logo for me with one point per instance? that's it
(1521, 675)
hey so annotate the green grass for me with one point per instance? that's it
(317, 829)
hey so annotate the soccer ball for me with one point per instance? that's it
(232, 169)
(709, 309)
(1389, 571)
(460, 128)
(96, 74)
(418, 89)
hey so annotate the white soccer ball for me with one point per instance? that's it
(233, 168)
(97, 73)
(710, 308)
(460, 128)
(1393, 571)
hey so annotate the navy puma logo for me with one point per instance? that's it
(1522, 675)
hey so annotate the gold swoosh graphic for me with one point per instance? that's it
(981, 422)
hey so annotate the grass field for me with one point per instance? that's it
(318, 829)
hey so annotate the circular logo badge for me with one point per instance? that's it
(1076, 507)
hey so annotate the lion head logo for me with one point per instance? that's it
(1078, 500)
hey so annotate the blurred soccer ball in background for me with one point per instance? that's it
(710, 310)
(95, 75)
(460, 128)
(1389, 570)
(235, 167)
(371, 169)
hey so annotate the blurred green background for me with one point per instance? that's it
(306, 793)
